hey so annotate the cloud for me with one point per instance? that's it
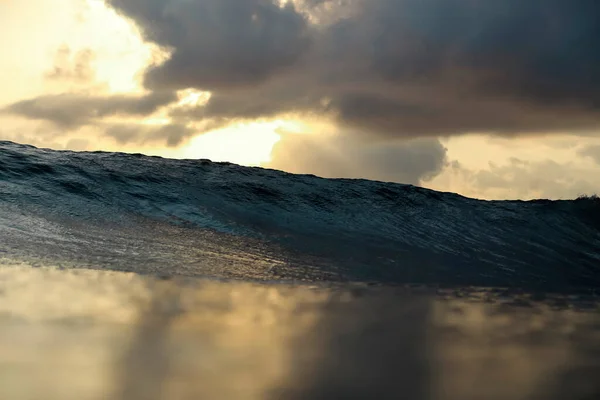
(78, 144)
(218, 44)
(385, 71)
(173, 134)
(519, 179)
(592, 152)
(72, 66)
(351, 156)
(392, 68)
(72, 111)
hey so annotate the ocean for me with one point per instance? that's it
(133, 277)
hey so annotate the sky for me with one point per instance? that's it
(489, 99)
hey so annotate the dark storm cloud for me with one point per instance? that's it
(72, 111)
(219, 43)
(544, 50)
(390, 67)
(350, 156)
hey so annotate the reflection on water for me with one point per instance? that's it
(508, 349)
(98, 335)
(373, 345)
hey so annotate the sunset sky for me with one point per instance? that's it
(490, 99)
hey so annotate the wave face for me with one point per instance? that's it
(200, 218)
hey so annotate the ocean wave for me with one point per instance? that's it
(299, 227)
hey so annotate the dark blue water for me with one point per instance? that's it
(198, 218)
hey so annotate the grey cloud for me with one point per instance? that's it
(539, 49)
(173, 134)
(218, 44)
(350, 156)
(520, 179)
(72, 111)
(591, 151)
(389, 67)
(245, 105)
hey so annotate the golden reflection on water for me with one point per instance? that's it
(107, 335)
